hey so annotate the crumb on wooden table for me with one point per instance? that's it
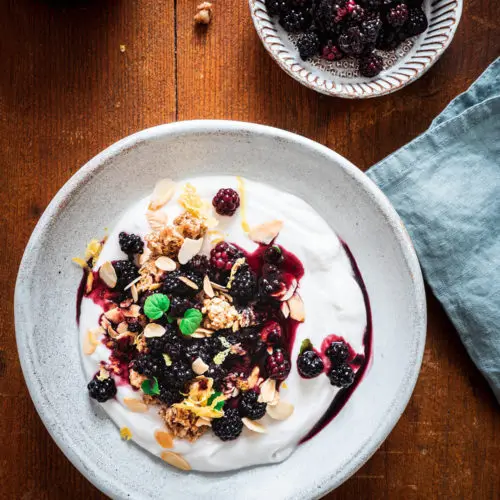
(204, 13)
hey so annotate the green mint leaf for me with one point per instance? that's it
(219, 405)
(168, 360)
(156, 305)
(305, 346)
(151, 390)
(190, 322)
(212, 398)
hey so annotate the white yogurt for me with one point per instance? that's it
(333, 304)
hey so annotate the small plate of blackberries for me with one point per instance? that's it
(355, 48)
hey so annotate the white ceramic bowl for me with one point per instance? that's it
(94, 198)
(342, 79)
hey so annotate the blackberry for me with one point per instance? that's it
(249, 406)
(160, 345)
(130, 243)
(229, 426)
(324, 16)
(173, 285)
(199, 264)
(371, 4)
(337, 352)
(244, 285)
(371, 27)
(354, 11)
(126, 272)
(371, 65)
(197, 350)
(352, 41)
(102, 390)
(308, 45)
(416, 24)
(149, 365)
(133, 325)
(178, 374)
(275, 7)
(271, 333)
(217, 373)
(310, 364)
(270, 285)
(388, 39)
(277, 365)
(341, 375)
(331, 52)
(273, 253)
(268, 269)
(301, 3)
(398, 15)
(295, 20)
(169, 396)
(178, 306)
(223, 256)
(226, 201)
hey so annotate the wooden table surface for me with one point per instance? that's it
(67, 91)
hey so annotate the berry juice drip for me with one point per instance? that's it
(359, 361)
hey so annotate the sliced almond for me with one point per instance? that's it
(189, 249)
(198, 335)
(267, 390)
(289, 293)
(144, 256)
(115, 315)
(134, 292)
(90, 342)
(188, 282)
(254, 377)
(133, 282)
(236, 326)
(122, 327)
(108, 274)
(276, 399)
(199, 366)
(203, 422)
(216, 286)
(112, 332)
(206, 331)
(281, 411)
(154, 330)
(125, 304)
(135, 405)
(164, 439)
(157, 220)
(163, 192)
(253, 425)
(296, 306)
(175, 460)
(133, 311)
(285, 310)
(90, 282)
(165, 264)
(265, 233)
(207, 287)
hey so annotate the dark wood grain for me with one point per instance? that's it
(67, 91)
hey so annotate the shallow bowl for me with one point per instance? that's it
(93, 199)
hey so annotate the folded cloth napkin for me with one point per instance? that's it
(445, 185)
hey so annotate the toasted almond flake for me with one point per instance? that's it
(285, 310)
(267, 390)
(207, 287)
(115, 315)
(105, 323)
(134, 292)
(236, 326)
(80, 262)
(253, 425)
(289, 293)
(280, 411)
(197, 335)
(90, 282)
(254, 377)
(144, 256)
(155, 286)
(164, 439)
(157, 220)
(133, 311)
(235, 392)
(126, 303)
(103, 374)
(154, 330)
(108, 274)
(189, 249)
(125, 434)
(276, 399)
(165, 264)
(227, 297)
(203, 422)
(163, 192)
(296, 308)
(206, 331)
(89, 342)
(122, 327)
(265, 233)
(199, 366)
(175, 460)
(135, 405)
(132, 283)
(188, 282)
(216, 286)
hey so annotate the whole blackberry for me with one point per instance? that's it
(197, 350)
(273, 253)
(416, 24)
(199, 264)
(178, 374)
(310, 364)
(300, 3)
(371, 27)
(352, 41)
(330, 52)
(337, 352)
(295, 20)
(126, 272)
(169, 396)
(223, 256)
(371, 4)
(371, 65)
(324, 16)
(244, 285)
(277, 365)
(388, 39)
(249, 406)
(130, 243)
(173, 285)
(308, 46)
(178, 306)
(355, 12)
(133, 325)
(398, 15)
(275, 7)
(229, 426)
(102, 390)
(226, 201)
(341, 375)
(217, 373)
(270, 285)
(160, 345)
(149, 365)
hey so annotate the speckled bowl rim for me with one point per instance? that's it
(431, 45)
(91, 470)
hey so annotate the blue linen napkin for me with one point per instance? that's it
(445, 185)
